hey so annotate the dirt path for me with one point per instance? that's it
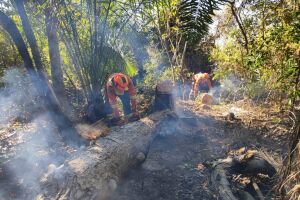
(173, 168)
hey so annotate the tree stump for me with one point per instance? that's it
(206, 99)
(164, 96)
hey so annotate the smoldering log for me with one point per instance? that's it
(95, 173)
(219, 179)
(249, 163)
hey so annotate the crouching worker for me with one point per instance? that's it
(201, 82)
(163, 96)
(120, 85)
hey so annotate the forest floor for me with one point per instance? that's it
(174, 166)
(26, 151)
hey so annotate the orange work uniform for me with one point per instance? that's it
(128, 97)
(200, 79)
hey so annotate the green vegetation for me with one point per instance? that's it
(261, 47)
(69, 47)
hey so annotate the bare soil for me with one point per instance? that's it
(27, 149)
(174, 166)
(171, 167)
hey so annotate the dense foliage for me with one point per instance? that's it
(266, 58)
(256, 41)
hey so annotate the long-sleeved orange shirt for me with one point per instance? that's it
(112, 96)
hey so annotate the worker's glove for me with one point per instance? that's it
(133, 117)
(136, 114)
(115, 121)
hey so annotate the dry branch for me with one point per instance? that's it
(219, 180)
(259, 193)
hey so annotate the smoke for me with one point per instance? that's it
(17, 95)
(34, 143)
(229, 89)
(183, 90)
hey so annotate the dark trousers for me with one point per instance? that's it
(203, 88)
(125, 99)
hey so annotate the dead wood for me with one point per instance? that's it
(219, 180)
(248, 163)
(93, 131)
(259, 193)
(251, 164)
(206, 99)
(96, 172)
(245, 195)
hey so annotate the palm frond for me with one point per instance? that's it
(195, 17)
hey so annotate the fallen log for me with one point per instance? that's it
(96, 172)
(248, 163)
(220, 182)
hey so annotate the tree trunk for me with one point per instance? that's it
(96, 172)
(55, 61)
(30, 38)
(65, 126)
(296, 88)
(232, 6)
(182, 72)
(96, 106)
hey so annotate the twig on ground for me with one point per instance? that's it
(259, 193)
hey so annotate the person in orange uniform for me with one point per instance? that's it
(120, 85)
(201, 82)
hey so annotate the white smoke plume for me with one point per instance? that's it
(35, 141)
(229, 89)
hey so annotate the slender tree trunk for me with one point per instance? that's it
(9, 26)
(263, 22)
(55, 61)
(30, 37)
(182, 71)
(240, 25)
(163, 42)
(295, 89)
(65, 126)
(141, 70)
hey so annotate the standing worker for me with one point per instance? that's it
(120, 85)
(201, 82)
